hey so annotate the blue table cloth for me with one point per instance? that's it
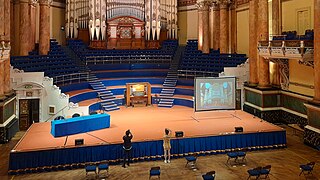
(78, 125)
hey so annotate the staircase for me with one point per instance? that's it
(166, 94)
(106, 96)
(70, 53)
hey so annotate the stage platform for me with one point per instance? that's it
(209, 132)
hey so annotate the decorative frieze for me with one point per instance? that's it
(45, 2)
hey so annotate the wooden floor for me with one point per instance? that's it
(285, 165)
(148, 123)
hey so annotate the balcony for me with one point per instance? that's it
(300, 50)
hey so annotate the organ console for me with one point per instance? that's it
(138, 94)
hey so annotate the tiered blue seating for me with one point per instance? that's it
(195, 60)
(54, 64)
(168, 48)
(292, 35)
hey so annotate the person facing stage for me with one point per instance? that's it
(167, 145)
(127, 146)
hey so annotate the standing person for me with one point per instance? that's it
(127, 146)
(167, 145)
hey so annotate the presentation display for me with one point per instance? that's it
(214, 93)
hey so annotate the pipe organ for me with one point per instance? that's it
(98, 17)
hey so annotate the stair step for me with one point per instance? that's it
(167, 100)
(112, 109)
(107, 103)
(168, 91)
(109, 106)
(165, 105)
(107, 97)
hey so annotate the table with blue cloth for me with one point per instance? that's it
(83, 124)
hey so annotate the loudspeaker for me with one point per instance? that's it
(78, 142)
(179, 133)
(238, 129)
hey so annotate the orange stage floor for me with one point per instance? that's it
(148, 123)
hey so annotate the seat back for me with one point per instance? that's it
(311, 164)
(155, 168)
(211, 173)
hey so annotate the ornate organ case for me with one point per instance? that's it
(125, 33)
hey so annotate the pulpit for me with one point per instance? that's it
(138, 94)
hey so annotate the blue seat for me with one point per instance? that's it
(307, 169)
(265, 171)
(254, 172)
(91, 168)
(155, 171)
(191, 160)
(209, 175)
(103, 167)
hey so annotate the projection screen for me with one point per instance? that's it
(214, 93)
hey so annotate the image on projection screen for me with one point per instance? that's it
(215, 93)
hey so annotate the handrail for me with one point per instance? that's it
(70, 78)
(56, 114)
(194, 73)
(128, 59)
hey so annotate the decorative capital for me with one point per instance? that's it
(203, 5)
(4, 50)
(45, 2)
(224, 4)
(215, 6)
(33, 2)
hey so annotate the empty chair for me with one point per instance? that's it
(209, 175)
(265, 171)
(232, 155)
(91, 168)
(307, 168)
(103, 167)
(93, 112)
(191, 160)
(75, 115)
(255, 172)
(155, 171)
(59, 117)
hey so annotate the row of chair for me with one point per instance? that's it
(260, 172)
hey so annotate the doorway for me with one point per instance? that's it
(28, 113)
(303, 20)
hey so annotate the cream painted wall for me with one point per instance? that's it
(301, 74)
(188, 25)
(243, 31)
(289, 13)
(56, 21)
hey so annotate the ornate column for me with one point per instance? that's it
(253, 43)
(205, 25)
(4, 69)
(32, 11)
(224, 26)
(317, 51)
(233, 27)
(24, 28)
(44, 39)
(200, 26)
(216, 25)
(12, 29)
(276, 17)
(263, 33)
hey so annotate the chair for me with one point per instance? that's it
(192, 160)
(265, 171)
(75, 115)
(209, 175)
(93, 112)
(59, 117)
(307, 168)
(91, 168)
(232, 155)
(103, 167)
(241, 156)
(254, 172)
(155, 171)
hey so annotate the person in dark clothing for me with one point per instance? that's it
(127, 146)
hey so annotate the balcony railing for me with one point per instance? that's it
(289, 49)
